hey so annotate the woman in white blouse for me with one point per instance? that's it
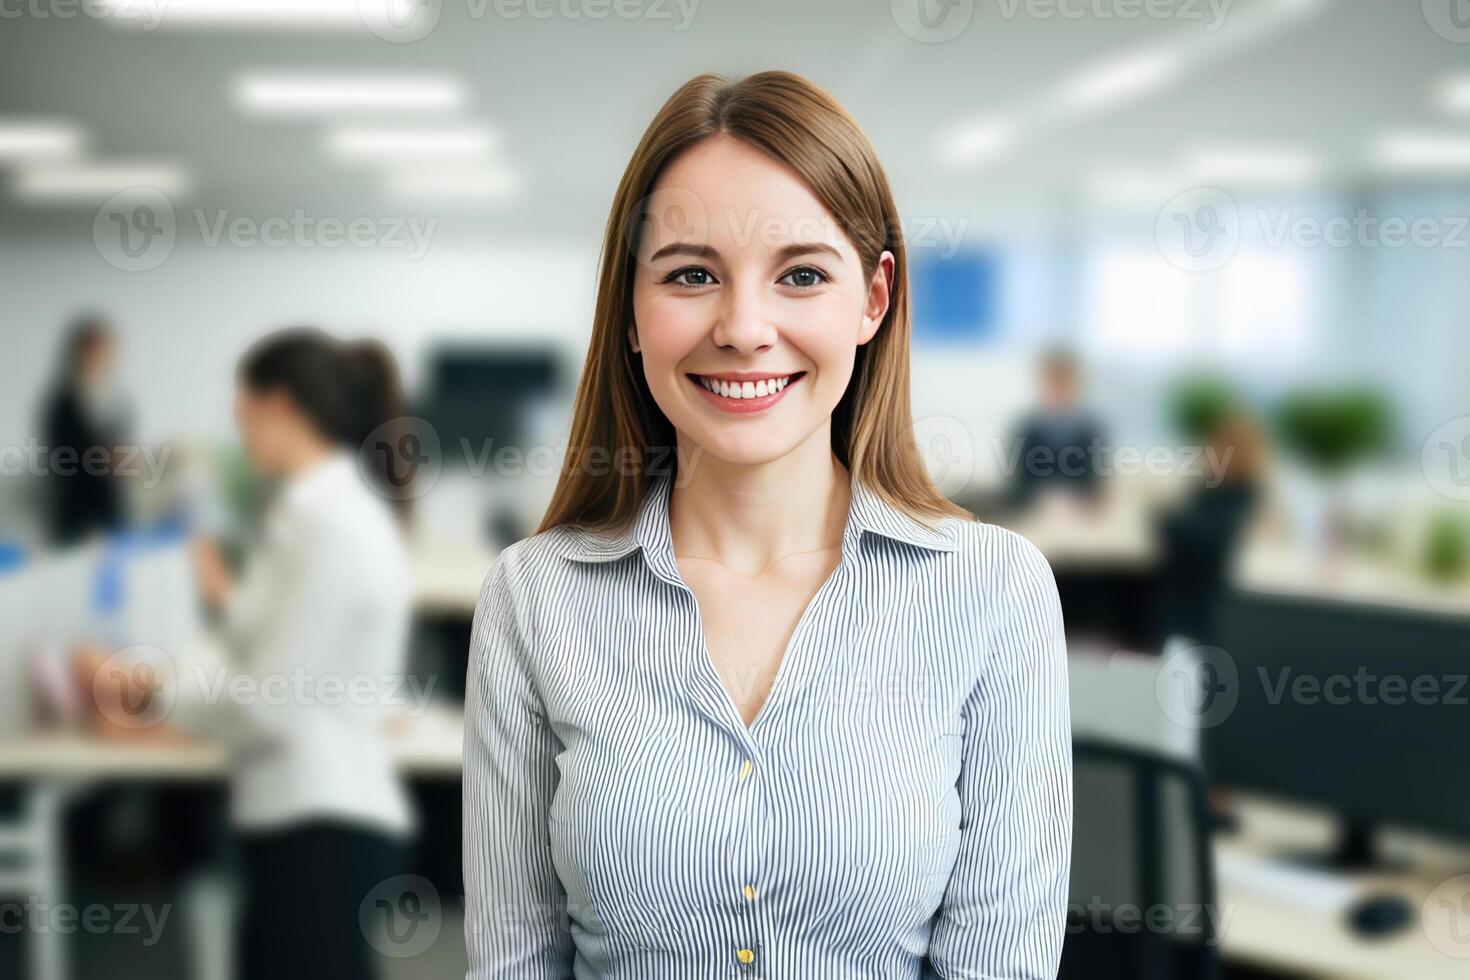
(317, 632)
(756, 699)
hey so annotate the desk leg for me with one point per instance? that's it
(32, 846)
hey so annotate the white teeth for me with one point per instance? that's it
(746, 389)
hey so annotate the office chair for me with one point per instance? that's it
(1142, 903)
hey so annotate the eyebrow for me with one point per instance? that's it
(784, 254)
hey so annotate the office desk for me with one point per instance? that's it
(50, 765)
(1118, 538)
(1278, 568)
(429, 746)
(1283, 918)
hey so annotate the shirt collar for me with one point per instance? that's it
(649, 530)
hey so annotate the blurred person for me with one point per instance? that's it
(85, 419)
(759, 698)
(1059, 443)
(1201, 537)
(320, 810)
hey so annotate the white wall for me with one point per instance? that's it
(184, 323)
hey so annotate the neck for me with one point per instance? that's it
(746, 516)
(304, 456)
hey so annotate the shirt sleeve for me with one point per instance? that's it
(515, 924)
(300, 633)
(1004, 913)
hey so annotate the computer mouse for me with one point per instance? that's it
(1377, 916)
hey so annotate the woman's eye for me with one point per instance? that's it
(804, 277)
(691, 276)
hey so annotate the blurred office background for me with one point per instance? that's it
(1192, 311)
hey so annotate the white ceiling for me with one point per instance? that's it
(572, 96)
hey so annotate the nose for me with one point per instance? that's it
(743, 323)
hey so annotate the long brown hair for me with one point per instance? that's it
(615, 416)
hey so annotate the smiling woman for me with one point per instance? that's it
(778, 708)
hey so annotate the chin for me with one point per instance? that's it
(751, 448)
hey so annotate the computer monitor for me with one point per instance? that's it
(476, 397)
(1360, 709)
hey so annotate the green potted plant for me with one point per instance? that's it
(1200, 403)
(1446, 556)
(1331, 431)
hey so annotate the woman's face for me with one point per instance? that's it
(745, 283)
(266, 421)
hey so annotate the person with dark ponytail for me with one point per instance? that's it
(318, 629)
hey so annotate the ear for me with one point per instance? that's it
(633, 337)
(879, 292)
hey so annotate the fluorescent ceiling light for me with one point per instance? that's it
(306, 94)
(1424, 152)
(1117, 81)
(1253, 163)
(309, 14)
(455, 184)
(23, 138)
(1453, 94)
(96, 181)
(461, 142)
(967, 144)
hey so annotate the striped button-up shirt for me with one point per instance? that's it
(900, 808)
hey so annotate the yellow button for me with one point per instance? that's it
(746, 768)
(750, 892)
(745, 955)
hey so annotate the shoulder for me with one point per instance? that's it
(1000, 575)
(355, 527)
(998, 553)
(534, 566)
